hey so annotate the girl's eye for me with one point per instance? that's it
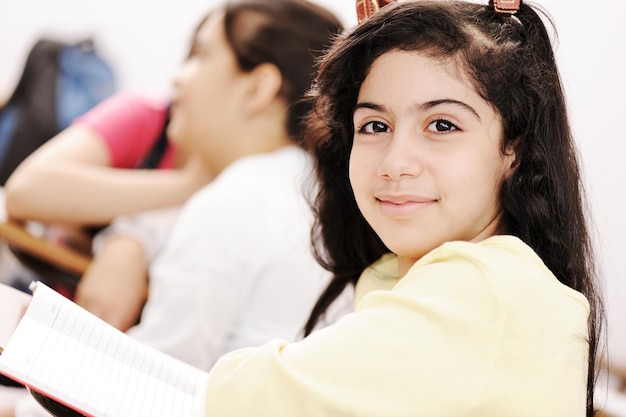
(374, 127)
(193, 56)
(441, 125)
(198, 52)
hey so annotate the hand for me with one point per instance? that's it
(7, 411)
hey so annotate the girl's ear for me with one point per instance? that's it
(264, 85)
(510, 155)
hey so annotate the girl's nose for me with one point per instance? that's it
(401, 158)
(180, 75)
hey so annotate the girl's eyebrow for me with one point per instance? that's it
(368, 105)
(421, 107)
(430, 104)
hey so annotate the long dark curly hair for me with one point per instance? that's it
(510, 61)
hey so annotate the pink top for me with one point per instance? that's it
(130, 125)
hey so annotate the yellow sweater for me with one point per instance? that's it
(472, 330)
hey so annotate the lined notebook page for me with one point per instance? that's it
(70, 355)
(13, 304)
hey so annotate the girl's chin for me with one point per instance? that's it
(173, 132)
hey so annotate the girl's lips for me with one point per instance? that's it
(403, 206)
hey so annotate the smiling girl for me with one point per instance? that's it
(450, 194)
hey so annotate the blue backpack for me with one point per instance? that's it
(59, 82)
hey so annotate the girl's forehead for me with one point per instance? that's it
(416, 66)
(209, 28)
(406, 82)
(448, 63)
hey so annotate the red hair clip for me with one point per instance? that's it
(366, 8)
(506, 6)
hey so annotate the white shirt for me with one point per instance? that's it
(238, 269)
(151, 228)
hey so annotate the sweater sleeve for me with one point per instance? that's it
(448, 340)
(129, 124)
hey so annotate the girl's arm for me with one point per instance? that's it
(115, 286)
(69, 180)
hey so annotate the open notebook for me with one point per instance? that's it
(66, 353)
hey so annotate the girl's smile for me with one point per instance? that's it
(403, 205)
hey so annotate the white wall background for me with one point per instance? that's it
(146, 39)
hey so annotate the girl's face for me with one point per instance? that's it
(207, 90)
(425, 165)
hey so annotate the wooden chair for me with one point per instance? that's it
(56, 265)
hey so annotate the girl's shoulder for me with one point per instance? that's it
(502, 266)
